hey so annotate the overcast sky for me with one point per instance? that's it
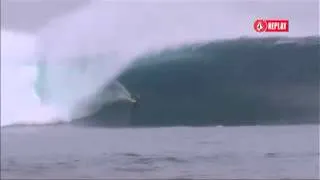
(30, 15)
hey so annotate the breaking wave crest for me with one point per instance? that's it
(30, 97)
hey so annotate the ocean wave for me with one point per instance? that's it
(246, 81)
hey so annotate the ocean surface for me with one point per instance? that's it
(269, 152)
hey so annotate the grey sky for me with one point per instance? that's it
(30, 15)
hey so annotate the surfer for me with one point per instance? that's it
(136, 100)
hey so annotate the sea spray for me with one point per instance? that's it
(19, 103)
(24, 90)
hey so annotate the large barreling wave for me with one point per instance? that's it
(245, 81)
(85, 66)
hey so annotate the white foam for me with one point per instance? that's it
(19, 104)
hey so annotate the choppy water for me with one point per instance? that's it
(175, 152)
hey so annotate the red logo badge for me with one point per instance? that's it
(271, 25)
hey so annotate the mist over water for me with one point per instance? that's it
(74, 57)
(19, 103)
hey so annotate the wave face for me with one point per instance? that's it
(246, 81)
